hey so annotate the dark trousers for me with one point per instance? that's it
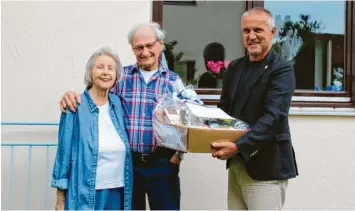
(109, 199)
(159, 180)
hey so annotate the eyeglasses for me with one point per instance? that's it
(140, 48)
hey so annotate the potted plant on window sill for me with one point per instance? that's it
(218, 70)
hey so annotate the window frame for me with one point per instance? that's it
(306, 98)
(181, 3)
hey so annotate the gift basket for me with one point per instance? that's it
(174, 115)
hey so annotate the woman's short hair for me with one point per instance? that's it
(91, 62)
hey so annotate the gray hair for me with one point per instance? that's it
(91, 62)
(271, 20)
(155, 26)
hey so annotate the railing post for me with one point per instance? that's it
(11, 175)
(29, 176)
(29, 145)
(47, 180)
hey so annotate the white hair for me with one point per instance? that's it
(271, 20)
(91, 62)
(155, 26)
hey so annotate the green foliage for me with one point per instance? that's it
(170, 55)
(304, 29)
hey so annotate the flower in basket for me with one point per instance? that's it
(217, 68)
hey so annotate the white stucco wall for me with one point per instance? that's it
(196, 26)
(45, 46)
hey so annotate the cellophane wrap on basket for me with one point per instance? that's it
(170, 130)
(174, 114)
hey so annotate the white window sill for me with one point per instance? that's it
(310, 111)
(320, 111)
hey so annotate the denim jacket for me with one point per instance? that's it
(76, 159)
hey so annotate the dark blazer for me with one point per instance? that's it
(267, 149)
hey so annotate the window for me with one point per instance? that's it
(311, 36)
(202, 39)
(319, 39)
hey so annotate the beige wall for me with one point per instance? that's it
(45, 46)
(325, 153)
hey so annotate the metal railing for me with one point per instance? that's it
(30, 146)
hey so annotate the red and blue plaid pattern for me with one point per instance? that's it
(139, 100)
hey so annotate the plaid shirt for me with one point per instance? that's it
(139, 100)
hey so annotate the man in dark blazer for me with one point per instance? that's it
(258, 89)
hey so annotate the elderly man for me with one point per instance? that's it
(258, 89)
(156, 170)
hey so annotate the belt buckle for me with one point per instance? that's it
(144, 157)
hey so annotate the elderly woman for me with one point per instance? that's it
(93, 168)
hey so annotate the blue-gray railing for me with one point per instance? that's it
(12, 146)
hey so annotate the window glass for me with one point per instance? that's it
(311, 35)
(202, 39)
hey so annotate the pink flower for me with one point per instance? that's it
(215, 67)
(226, 63)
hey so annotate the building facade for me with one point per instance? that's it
(45, 46)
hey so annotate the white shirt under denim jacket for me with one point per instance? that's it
(77, 153)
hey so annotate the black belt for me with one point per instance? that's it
(156, 154)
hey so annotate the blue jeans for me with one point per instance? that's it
(109, 199)
(159, 179)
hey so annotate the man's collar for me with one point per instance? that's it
(270, 56)
(134, 68)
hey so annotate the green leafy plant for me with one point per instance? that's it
(170, 55)
(277, 46)
(304, 29)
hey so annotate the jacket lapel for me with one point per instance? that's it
(238, 72)
(256, 76)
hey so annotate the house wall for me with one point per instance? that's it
(45, 46)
